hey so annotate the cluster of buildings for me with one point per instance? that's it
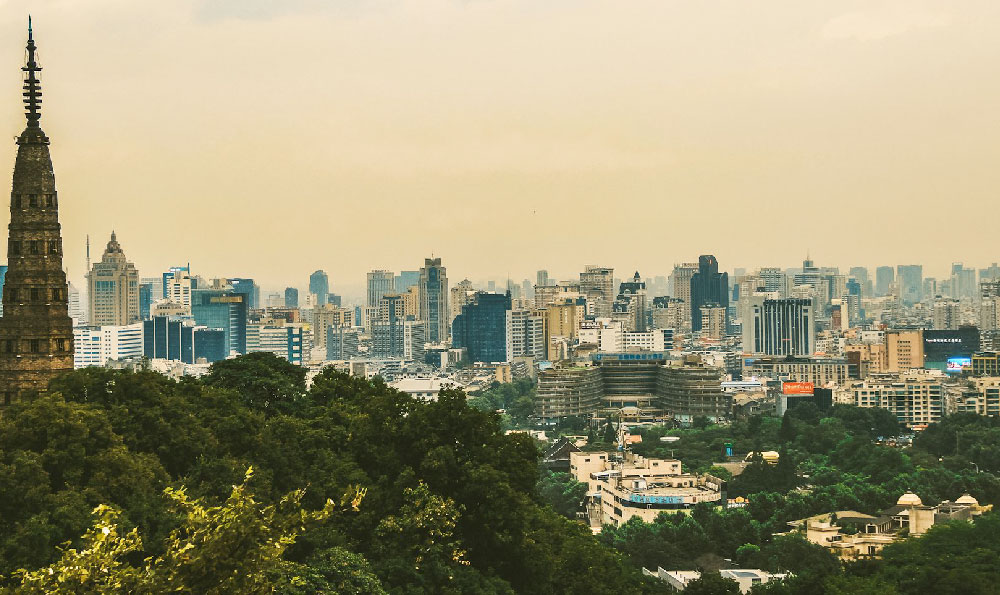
(697, 343)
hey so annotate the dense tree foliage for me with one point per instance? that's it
(451, 504)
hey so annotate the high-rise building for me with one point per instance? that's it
(963, 281)
(461, 294)
(405, 280)
(884, 276)
(3, 275)
(774, 280)
(708, 287)
(911, 284)
(434, 310)
(860, 274)
(597, 285)
(223, 309)
(395, 335)
(145, 300)
(97, 345)
(172, 273)
(177, 286)
(630, 305)
(182, 340)
(291, 297)
(319, 285)
(326, 317)
(283, 340)
(947, 314)
(379, 284)
(528, 334)
(342, 343)
(250, 289)
(484, 328)
(36, 331)
(990, 273)
(542, 277)
(113, 289)
(779, 327)
(680, 281)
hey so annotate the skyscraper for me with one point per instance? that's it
(319, 284)
(884, 276)
(434, 300)
(113, 289)
(542, 277)
(911, 282)
(291, 297)
(597, 285)
(379, 283)
(708, 287)
(779, 327)
(36, 332)
(248, 288)
(484, 328)
(223, 309)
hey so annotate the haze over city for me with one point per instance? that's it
(270, 140)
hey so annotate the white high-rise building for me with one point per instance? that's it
(379, 283)
(95, 346)
(779, 326)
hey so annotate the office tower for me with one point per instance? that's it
(177, 287)
(325, 317)
(97, 345)
(405, 280)
(597, 285)
(291, 297)
(963, 281)
(77, 309)
(631, 304)
(528, 334)
(283, 340)
(931, 289)
(182, 340)
(379, 284)
(175, 273)
(884, 276)
(3, 275)
(527, 290)
(434, 300)
(223, 309)
(145, 300)
(113, 289)
(779, 327)
(156, 285)
(542, 277)
(248, 288)
(680, 281)
(708, 287)
(774, 280)
(461, 294)
(36, 332)
(484, 328)
(910, 282)
(990, 273)
(394, 335)
(319, 285)
(562, 324)
(860, 274)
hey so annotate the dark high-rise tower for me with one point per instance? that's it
(709, 287)
(36, 332)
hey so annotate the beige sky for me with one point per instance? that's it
(269, 139)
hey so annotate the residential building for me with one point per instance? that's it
(904, 350)
(947, 313)
(597, 285)
(342, 343)
(820, 371)
(916, 399)
(690, 389)
(630, 304)
(528, 334)
(326, 317)
(713, 322)
(284, 340)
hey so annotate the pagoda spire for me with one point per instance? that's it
(32, 85)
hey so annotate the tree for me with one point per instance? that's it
(561, 491)
(712, 583)
(263, 380)
(233, 548)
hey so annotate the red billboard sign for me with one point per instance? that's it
(797, 388)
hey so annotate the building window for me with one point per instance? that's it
(14, 248)
(35, 294)
(54, 247)
(11, 293)
(50, 200)
(32, 200)
(56, 295)
(35, 246)
(35, 345)
(15, 201)
(8, 346)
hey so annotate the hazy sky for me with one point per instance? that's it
(269, 139)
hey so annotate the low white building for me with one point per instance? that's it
(424, 389)
(745, 577)
(95, 346)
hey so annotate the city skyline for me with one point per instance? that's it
(830, 112)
